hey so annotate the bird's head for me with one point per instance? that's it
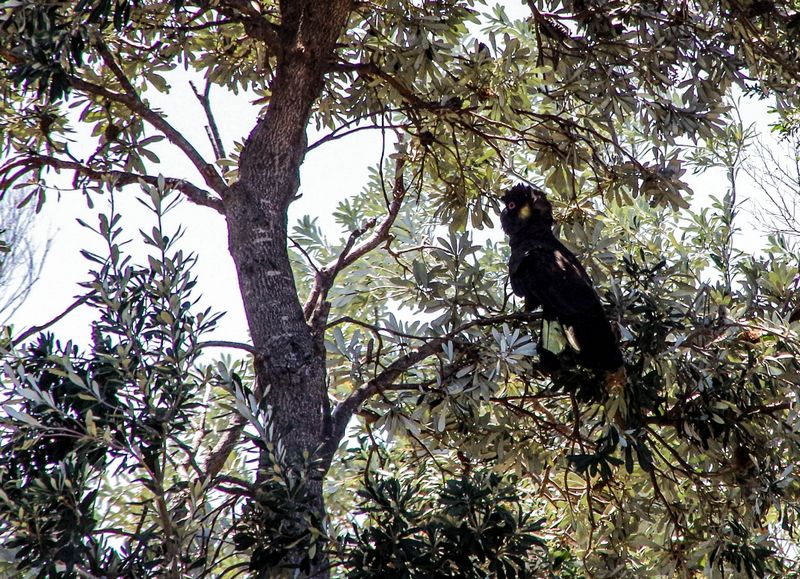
(526, 207)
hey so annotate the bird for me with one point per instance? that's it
(545, 273)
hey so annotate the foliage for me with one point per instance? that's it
(97, 446)
(137, 456)
(541, 94)
(706, 409)
(281, 516)
(476, 526)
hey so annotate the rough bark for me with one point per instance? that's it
(290, 359)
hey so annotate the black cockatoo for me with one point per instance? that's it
(546, 273)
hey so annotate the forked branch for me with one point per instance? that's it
(384, 380)
(315, 308)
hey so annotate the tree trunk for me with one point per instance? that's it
(290, 364)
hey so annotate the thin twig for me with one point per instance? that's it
(36, 329)
(344, 130)
(302, 250)
(211, 128)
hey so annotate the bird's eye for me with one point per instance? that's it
(511, 205)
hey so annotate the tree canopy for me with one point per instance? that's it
(390, 416)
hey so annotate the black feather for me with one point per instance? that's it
(546, 273)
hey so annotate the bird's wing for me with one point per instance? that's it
(550, 274)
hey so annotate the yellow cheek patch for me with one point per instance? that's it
(525, 212)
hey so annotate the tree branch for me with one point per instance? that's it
(372, 327)
(31, 162)
(355, 125)
(212, 129)
(227, 344)
(209, 173)
(369, 69)
(551, 421)
(344, 411)
(315, 309)
(215, 460)
(109, 61)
